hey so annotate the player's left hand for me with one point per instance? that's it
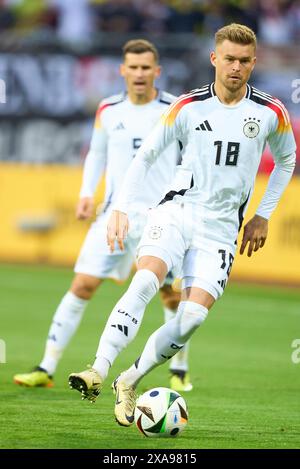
(255, 233)
(85, 208)
(117, 229)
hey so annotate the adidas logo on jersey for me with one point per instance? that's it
(120, 126)
(204, 126)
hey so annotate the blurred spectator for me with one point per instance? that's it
(75, 19)
(154, 16)
(7, 18)
(244, 12)
(186, 16)
(294, 20)
(213, 17)
(119, 16)
(30, 15)
(274, 22)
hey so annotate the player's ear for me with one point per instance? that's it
(158, 71)
(122, 70)
(213, 58)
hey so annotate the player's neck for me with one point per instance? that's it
(227, 97)
(142, 98)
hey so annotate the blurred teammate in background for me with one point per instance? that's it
(225, 126)
(122, 122)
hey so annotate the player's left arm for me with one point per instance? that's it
(283, 147)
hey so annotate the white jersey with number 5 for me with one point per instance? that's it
(119, 129)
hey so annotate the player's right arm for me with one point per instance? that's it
(172, 126)
(93, 169)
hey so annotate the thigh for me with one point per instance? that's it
(208, 267)
(198, 295)
(163, 235)
(156, 265)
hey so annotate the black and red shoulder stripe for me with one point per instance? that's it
(112, 101)
(199, 94)
(273, 103)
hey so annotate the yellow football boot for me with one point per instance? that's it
(36, 378)
(180, 381)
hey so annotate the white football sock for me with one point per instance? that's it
(167, 340)
(180, 360)
(64, 324)
(125, 319)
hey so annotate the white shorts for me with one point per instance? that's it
(96, 259)
(173, 235)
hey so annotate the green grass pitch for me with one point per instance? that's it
(246, 387)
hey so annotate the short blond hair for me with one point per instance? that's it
(139, 46)
(237, 33)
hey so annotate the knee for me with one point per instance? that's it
(189, 318)
(84, 287)
(155, 265)
(144, 284)
(170, 299)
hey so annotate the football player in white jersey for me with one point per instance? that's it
(225, 127)
(121, 123)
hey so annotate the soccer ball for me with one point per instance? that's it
(161, 412)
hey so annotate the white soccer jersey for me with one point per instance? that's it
(223, 149)
(120, 126)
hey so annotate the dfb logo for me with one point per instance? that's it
(2, 91)
(296, 93)
(296, 353)
(2, 351)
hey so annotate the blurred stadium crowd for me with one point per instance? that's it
(59, 58)
(274, 21)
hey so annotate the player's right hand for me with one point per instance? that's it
(117, 229)
(85, 208)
